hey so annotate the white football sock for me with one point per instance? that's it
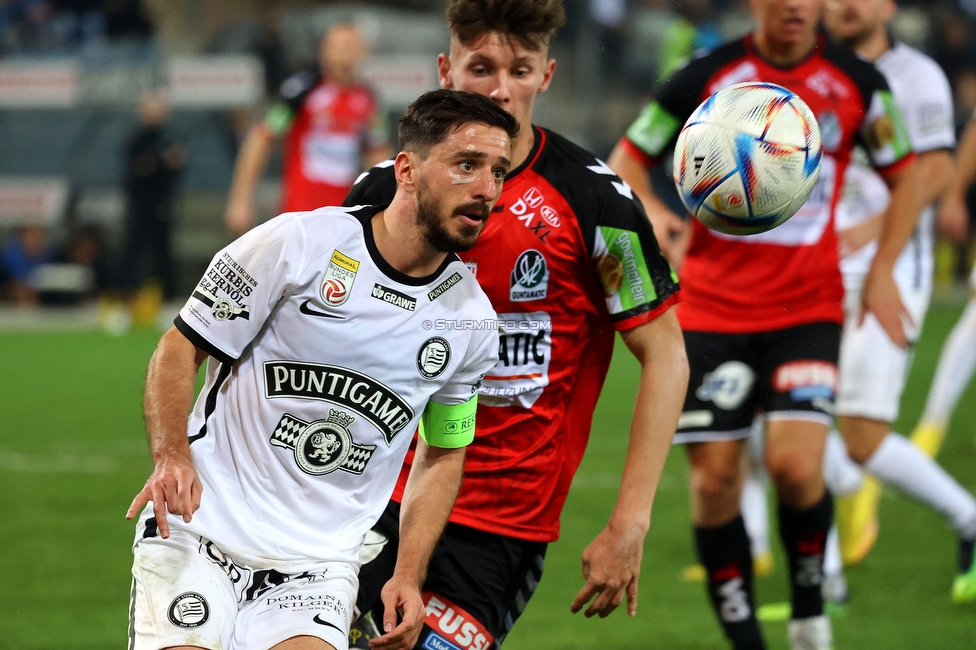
(956, 364)
(833, 566)
(755, 510)
(842, 475)
(901, 464)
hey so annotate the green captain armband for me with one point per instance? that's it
(449, 427)
(279, 118)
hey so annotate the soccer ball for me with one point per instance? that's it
(747, 158)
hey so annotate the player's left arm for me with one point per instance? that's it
(612, 561)
(884, 134)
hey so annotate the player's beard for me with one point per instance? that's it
(435, 230)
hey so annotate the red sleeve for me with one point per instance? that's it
(642, 156)
(897, 166)
(647, 316)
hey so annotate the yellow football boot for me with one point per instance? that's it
(857, 518)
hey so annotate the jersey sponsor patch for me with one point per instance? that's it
(530, 277)
(323, 446)
(224, 288)
(439, 290)
(188, 610)
(622, 269)
(531, 217)
(433, 357)
(727, 386)
(806, 380)
(360, 393)
(524, 353)
(394, 297)
(453, 628)
(221, 308)
(339, 277)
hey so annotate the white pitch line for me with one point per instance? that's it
(63, 464)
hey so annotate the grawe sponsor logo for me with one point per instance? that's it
(394, 297)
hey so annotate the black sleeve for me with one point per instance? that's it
(296, 88)
(374, 187)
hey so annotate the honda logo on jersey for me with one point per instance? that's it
(524, 210)
(533, 197)
(530, 277)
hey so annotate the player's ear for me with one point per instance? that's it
(549, 70)
(405, 170)
(444, 71)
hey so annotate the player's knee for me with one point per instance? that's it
(795, 474)
(714, 482)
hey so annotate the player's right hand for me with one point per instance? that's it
(401, 597)
(239, 216)
(673, 236)
(173, 486)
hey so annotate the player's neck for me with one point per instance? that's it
(523, 145)
(784, 54)
(872, 47)
(399, 241)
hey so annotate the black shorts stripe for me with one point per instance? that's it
(211, 404)
(132, 615)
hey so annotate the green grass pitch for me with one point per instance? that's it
(73, 454)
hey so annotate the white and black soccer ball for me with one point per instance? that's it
(748, 158)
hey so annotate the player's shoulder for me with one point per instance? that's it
(299, 84)
(905, 61)
(578, 174)
(864, 74)
(375, 186)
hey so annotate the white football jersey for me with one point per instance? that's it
(924, 96)
(323, 358)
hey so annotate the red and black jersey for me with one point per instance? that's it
(328, 128)
(567, 257)
(789, 275)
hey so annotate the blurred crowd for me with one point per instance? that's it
(618, 51)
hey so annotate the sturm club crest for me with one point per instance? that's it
(530, 277)
(189, 609)
(433, 357)
(338, 279)
(323, 446)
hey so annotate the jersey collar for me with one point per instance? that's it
(365, 216)
(537, 145)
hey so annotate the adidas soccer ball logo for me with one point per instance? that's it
(748, 158)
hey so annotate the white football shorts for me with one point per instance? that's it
(186, 591)
(872, 368)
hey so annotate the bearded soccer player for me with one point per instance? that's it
(762, 314)
(568, 257)
(260, 501)
(332, 127)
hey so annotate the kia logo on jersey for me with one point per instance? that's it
(530, 277)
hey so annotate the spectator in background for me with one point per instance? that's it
(332, 127)
(24, 251)
(154, 161)
(126, 19)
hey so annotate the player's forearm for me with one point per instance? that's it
(660, 398)
(936, 171)
(900, 217)
(251, 161)
(427, 500)
(169, 395)
(965, 161)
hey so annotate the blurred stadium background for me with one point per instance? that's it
(72, 451)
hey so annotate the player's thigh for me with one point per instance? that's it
(794, 457)
(719, 404)
(872, 368)
(478, 585)
(310, 610)
(797, 373)
(179, 597)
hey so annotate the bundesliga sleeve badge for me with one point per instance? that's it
(338, 279)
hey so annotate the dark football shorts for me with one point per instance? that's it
(477, 585)
(788, 374)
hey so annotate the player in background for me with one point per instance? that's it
(260, 500)
(762, 314)
(957, 362)
(872, 368)
(567, 258)
(332, 128)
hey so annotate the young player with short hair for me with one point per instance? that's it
(762, 314)
(320, 368)
(568, 258)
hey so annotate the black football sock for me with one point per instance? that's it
(804, 534)
(724, 552)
